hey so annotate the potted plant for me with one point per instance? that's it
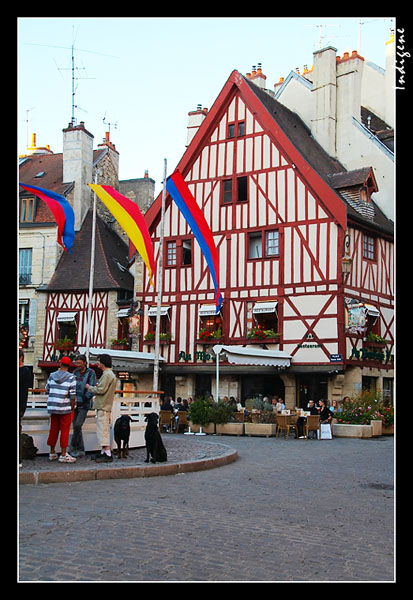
(206, 334)
(222, 414)
(258, 333)
(360, 417)
(64, 344)
(262, 421)
(120, 344)
(387, 416)
(199, 416)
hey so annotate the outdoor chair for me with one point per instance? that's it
(239, 416)
(312, 424)
(165, 420)
(284, 425)
(181, 419)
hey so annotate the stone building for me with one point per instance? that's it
(42, 261)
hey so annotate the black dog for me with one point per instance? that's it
(121, 433)
(154, 444)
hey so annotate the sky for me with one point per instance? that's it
(138, 77)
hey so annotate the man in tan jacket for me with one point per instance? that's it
(104, 393)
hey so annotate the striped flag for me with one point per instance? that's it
(62, 212)
(130, 218)
(186, 203)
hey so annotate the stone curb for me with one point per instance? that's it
(115, 472)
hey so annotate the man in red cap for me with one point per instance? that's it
(61, 386)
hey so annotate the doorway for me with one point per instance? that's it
(311, 387)
(261, 385)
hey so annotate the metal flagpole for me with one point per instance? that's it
(159, 281)
(91, 274)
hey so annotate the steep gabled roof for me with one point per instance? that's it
(293, 138)
(111, 259)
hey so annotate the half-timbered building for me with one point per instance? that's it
(305, 254)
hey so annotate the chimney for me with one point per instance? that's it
(113, 153)
(349, 79)
(323, 123)
(33, 149)
(257, 76)
(195, 120)
(77, 167)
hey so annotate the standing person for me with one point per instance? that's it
(25, 382)
(104, 392)
(83, 375)
(61, 387)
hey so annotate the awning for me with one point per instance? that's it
(123, 312)
(207, 310)
(163, 311)
(124, 359)
(265, 307)
(66, 317)
(372, 310)
(240, 355)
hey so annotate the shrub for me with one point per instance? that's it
(199, 411)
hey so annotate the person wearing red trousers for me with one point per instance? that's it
(61, 387)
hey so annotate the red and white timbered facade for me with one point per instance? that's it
(279, 231)
(70, 309)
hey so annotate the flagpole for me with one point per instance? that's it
(159, 280)
(91, 275)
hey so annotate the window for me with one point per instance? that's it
(171, 254)
(237, 129)
(27, 210)
(255, 245)
(187, 252)
(369, 247)
(271, 244)
(25, 266)
(236, 189)
(179, 253)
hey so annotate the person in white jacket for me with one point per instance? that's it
(61, 387)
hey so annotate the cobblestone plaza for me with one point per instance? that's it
(284, 510)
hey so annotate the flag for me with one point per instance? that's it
(62, 212)
(130, 218)
(186, 203)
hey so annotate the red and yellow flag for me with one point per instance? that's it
(130, 218)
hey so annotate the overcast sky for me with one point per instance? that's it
(140, 76)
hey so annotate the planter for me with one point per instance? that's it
(387, 430)
(264, 429)
(376, 427)
(120, 346)
(352, 431)
(195, 428)
(230, 428)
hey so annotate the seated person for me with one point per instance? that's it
(312, 409)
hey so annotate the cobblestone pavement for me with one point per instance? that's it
(285, 510)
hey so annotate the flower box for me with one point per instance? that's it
(195, 428)
(387, 430)
(230, 428)
(376, 427)
(263, 429)
(352, 431)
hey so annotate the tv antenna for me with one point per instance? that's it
(321, 37)
(114, 125)
(75, 69)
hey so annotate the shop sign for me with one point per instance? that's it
(372, 354)
(198, 356)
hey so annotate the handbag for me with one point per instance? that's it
(324, 433)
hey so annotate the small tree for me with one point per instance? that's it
(222, 412)
(199, 411)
